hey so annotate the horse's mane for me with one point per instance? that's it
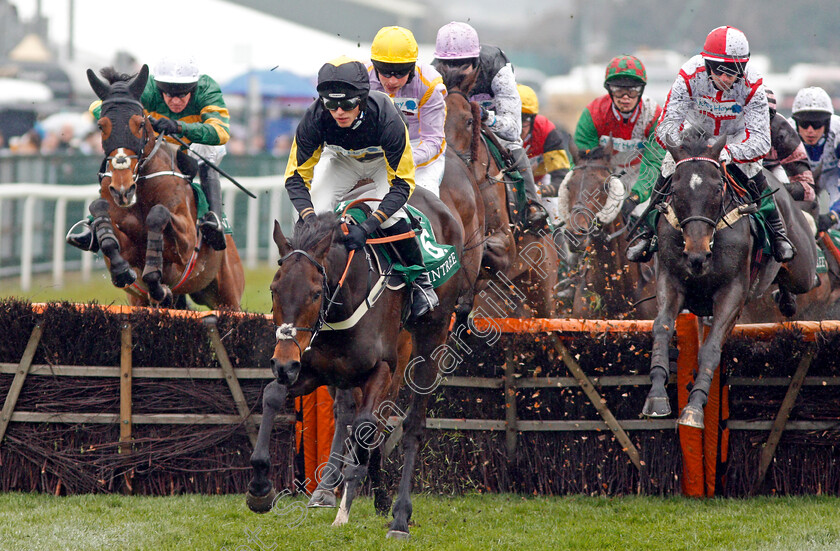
(306, 236)
(694, 142)
(594, 154)
(112, 75)
(452, 77)
(476, 129)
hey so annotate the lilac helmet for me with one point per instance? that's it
(457, 40)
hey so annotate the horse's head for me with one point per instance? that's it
(591, 197)
(124, 127)
(697, 199)
(299, 291)
(462, 127)
(457, 78)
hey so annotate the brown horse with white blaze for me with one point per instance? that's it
(145, 219)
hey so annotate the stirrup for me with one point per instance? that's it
(535, 213)
(82, 238)
(212, 232)
(639, 248)
(423, 296)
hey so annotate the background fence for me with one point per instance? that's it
(36, 214)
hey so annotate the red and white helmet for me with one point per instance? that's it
(457, 40)
(726, 44)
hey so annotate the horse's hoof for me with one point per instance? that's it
(692, 416)
(657, 406)
(123, 278)
(787, 305)
(322, 498)
(397, 535)
(260, 504)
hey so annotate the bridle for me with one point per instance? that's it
(700, 218)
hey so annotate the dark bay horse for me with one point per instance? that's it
(522, 263)
(608, 285)
(704, 263)
(328, 335)
(145, 219)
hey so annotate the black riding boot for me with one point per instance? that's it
(783, 249)
(211, 222)
(423, 296)
(536, 214)
(640, 242)
(80, 235)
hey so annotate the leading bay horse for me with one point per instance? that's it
(145, 218)
(341, 326)
(608, 285)
(520, 266)
(705, 261)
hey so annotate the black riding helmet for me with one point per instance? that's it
(343, 78)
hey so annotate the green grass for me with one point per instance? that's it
(99, 288)
(480, 522)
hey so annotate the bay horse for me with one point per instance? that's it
(145, 218)
(608, 285)
(706, 262)
(322, 339)
(521, 266)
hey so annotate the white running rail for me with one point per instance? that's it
(34, 196)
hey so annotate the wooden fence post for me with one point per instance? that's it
(769, 449)
(125, 386)
(230, 378)
(20, 377)
(510, 404)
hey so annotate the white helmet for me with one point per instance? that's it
(176, 70)
(813, 99)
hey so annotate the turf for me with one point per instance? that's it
(191, 522)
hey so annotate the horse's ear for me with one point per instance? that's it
(717, 147)
(573, 149)
(99, 88)
(280, 240)
(138, 83)
(320, 250)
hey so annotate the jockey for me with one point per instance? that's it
(720, 93)
(349, 134)
(629, 119)
(543, 143)
(417, 91)
(183, 103)
(787, 159)
(457, 45)
(819, 128)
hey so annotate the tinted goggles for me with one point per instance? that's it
(621, 91)
(816, 125)
(729, 69)
(346, 104)
(179, 96)
(393, 73)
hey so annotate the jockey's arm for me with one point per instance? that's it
(674, 113)
(507, 119)
(304, 155)
(213, 126)
(649, 167)
(400, 165)
(432, 114)
(756, 144)
(586, 135)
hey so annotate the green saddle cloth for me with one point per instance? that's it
(441, 260)
(202, 206)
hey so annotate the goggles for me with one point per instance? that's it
(816, 125)
(621, 91)
(729, 69)
(346, 104)
(179, 95)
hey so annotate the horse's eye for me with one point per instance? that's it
(316, 296)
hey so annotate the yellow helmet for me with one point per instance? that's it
(530, 103)
(394, 45)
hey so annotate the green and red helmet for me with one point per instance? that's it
(625, 70)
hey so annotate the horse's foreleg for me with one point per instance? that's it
(367, 435)
(727, 306)
(157, 219)
(261, 493)
(121, 273)
(330, 477)
(670, 302)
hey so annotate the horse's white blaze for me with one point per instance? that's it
(120, 161)
(343, 514)
(286, 331)
(695, 182)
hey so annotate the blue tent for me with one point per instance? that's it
(273, 84)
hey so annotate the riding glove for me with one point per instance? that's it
(725, 156)
(355, 238)
(826, 221)
(164, 125)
